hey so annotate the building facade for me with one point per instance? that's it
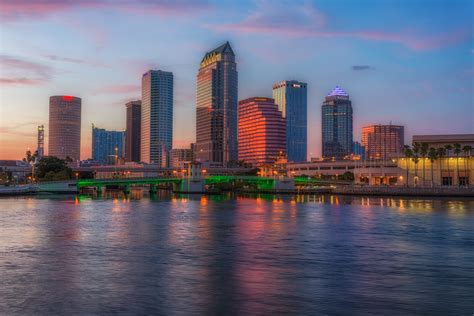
(216, 103)
(65, 127)
(179, 156)
(337, 132)
(107, 146)
(291, 98)
(40, 146)
(383, 141)
(157, 117)
(262, 134)
(133, 131)
(358, 151)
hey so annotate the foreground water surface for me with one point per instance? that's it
(236, 255)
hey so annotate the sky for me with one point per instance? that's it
(407, 62)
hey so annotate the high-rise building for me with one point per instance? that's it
(65, 127)
(133, 131)
(40, 148)
(358, 150)
(382, 141)
(107, 146)
(157, 117)
(262, 135)
(216, 102)
(337, 134)
(291, 98)
(181, 155)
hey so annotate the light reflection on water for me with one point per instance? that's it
(219, 254)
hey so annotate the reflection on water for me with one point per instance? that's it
(261, 254)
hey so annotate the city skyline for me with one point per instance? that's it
(417, 71)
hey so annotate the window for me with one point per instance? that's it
(464, 181)
(447, 181)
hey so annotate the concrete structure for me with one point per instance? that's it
(216, 113)
(180, 156)
(15, 171)
(262, 134)
(321, 168)
(40, 147)
(156, 117)
(107, 146)
(437, 141)
(383, 141)
(65, 127)
(291, 98)
(337, 133)
(133, 131)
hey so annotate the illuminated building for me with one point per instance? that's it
(291, 98)
(179, 156)
(382, 141)
(216, 113)
(156, 117)
(133, 132)
(337, 125)
(65, 127)
(107, 146)
(40, 149)
(261, 131)
(358, 150)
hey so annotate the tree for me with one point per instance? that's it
(432, 156)
(457, 151)
(416, 156)
(448, 150)
(441, 153)
(53, 168)
(467, 156)
(424, 147)
(408, 155)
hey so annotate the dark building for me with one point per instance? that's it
(337, 134)
(133, 131)
(216, 113)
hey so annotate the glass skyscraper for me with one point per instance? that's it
(134, 120)
(107, 146)
(291, 98)
(157, 117)
(216, 113)
(337, 134)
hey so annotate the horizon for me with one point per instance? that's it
(397, 66)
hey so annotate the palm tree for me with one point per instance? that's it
(448, 150)
(457, 151)
(432, 156)
(416, 156)
(408, 155)
(441, 153)
(424, 147)
(467, 155)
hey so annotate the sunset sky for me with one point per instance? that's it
(407, 62)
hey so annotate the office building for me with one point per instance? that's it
(291, 98)
(65, 127)
(107, 146)
(358, 151)
(133, 131)
(216, 113)
(336, 120)
(179, 156)
(157, 117)
(262, 134)
(382, 141)
(40, 147)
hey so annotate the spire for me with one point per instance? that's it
(224, 48)
(337, 91)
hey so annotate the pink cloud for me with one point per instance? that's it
(20, 81)
(19, 71)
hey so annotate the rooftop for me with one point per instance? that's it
(337, 91)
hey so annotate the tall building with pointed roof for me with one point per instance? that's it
(216, 113)
(337, 132)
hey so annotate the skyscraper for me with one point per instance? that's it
(157, 117)
(107, 146)
(291, 98)
(216, 102)
(40, 148)
(132, 136)
(262, 134)
(382, 141)
(337, 134)
(65, 127)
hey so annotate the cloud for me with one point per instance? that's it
(362, 67)
(305, 21)
(65, 59)
(20, 9)
(19, 71)
(120, 89)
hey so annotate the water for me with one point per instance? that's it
(245, 255)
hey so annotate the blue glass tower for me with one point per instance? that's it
(337, 125)
(107, 146)
(291, 98)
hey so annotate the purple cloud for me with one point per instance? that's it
(362, 67)
(15, 69)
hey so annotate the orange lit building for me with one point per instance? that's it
(262, 131)
(382, 141)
